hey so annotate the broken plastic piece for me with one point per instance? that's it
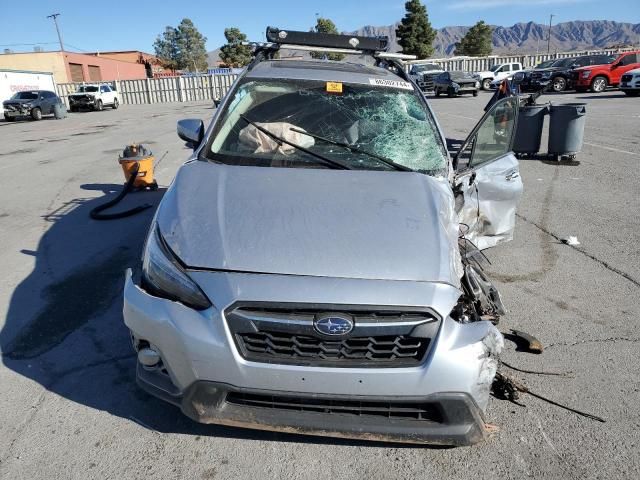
(533, 344)
(571, 240)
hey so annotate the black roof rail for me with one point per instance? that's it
(327, 40)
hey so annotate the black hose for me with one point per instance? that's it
(95, 213)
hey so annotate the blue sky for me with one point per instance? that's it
(91, 25)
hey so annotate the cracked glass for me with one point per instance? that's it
(391, 123)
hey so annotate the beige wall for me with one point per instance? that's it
(38, 62)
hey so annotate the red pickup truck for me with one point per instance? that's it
(598, 77)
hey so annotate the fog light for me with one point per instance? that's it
(148, 357)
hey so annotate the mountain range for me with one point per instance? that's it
(520, 38)
(530, 37)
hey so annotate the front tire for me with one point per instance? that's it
(451, 93)
(475, 93)
(36, 114)
(437, 92)
(599, 84)
(10, 119)
(486, 84)
(115, 104)
(559, 84)
(99, 106)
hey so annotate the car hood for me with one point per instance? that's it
(317, 222)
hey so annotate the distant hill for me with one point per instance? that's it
(530, 37)
(520, 38)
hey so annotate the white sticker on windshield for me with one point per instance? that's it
(381, 82)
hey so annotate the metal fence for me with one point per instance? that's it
(164, 89)
(477, 64)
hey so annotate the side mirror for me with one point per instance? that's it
(216, 102)
(191, 130)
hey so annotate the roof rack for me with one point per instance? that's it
(377, 47)
(322, 41)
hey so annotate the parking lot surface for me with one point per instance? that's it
(69, 406)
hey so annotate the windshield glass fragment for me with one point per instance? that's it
(386, 122)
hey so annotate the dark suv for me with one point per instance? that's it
(558, 77)
(33, 103)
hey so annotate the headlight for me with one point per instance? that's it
(27, 105)
(586, 73)
(546, 74)
(163, 275)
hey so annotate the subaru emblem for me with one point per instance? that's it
(333, 324)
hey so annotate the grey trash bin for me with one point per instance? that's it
(59, 110)
(566, 128)
(529, 129)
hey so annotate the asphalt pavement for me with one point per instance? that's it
(69, 406)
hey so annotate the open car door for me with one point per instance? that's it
(487, 181)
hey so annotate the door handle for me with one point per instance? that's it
(511, 176)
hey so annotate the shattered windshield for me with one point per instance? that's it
(378, 121)
(88, 88)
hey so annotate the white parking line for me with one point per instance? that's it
(611, 148)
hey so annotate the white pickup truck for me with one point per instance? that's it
(95, 97)
(497, 72)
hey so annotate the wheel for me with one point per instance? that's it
(475, 93)
(115, 104)
(451, 93)
(558, 84)
(486, 84)
(632, 93)
(73, 109)
(599, 84)
(36, 114)
(10, 119)
(99, 105)
(437, 92)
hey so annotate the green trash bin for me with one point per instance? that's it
(529, 129)
(566, 128)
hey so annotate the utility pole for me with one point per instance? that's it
(549, 34)
(55, 16)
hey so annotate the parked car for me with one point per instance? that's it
(630, 82)
(313, 266)
(32, 103)
(497, 72)
(455, 83)
(94, 97)
(557, 78)
(423, 74)
(597, 78)
(525, 83)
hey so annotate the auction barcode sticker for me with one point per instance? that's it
(381, 82)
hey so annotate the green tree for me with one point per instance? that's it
(166, 47)
(182, 47)
(477, 42)
(326, 25)
(233, 53)
(415, 34)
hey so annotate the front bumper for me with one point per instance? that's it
(15, 110)
(81, 101)
(454, 418)
(201, 365)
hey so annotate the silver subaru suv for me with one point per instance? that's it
(314, 266)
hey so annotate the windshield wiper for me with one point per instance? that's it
(281, 140)
(351, 148)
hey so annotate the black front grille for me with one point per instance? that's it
(386, 409)
(626, 78)
(266, 346)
